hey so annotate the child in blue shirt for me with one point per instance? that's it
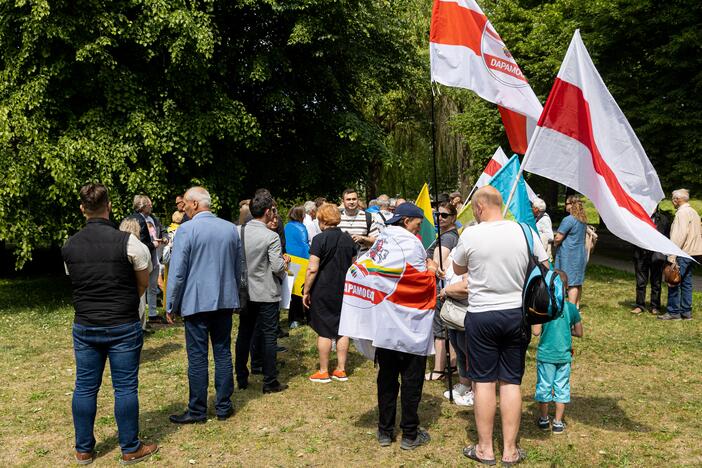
(553, 358)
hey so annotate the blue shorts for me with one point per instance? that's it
(552, 382)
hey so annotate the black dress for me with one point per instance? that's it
(335, 250)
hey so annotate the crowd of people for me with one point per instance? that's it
(211, 270)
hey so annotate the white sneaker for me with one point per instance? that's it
(458, 390)
(464, 400)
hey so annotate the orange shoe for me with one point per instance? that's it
(339, 376)
(321, 377)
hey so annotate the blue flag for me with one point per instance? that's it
(520, 207)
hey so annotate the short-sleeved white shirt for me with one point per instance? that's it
(497, 256)
(138, 254)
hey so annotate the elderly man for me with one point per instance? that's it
(153, 239)
(495, 255)
(685, 233)
(310, 217)
(109, 271)
(203, 288)
(543, 224)
(384, 205)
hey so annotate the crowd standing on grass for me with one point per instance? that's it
(211, 270)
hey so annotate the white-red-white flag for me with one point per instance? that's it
(498, 160)
(466, 52)
(584, 141)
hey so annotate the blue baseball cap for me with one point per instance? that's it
(407, 209)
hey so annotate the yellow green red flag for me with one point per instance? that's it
(427, 232)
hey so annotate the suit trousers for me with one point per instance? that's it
(410, 369)
(257, 336)
(199, 330)
(647, 270)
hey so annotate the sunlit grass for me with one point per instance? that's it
(636, 389)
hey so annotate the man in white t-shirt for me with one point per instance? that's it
(495, 255)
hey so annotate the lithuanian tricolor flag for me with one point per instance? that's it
(427, 233)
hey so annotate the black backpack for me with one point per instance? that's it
(543, 295)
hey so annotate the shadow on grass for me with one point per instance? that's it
(156, 354)
(45, 293)
(429, 412)
(600, 412)
(154, 427)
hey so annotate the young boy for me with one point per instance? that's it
(553, 358)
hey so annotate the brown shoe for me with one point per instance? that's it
(636, 310)
(143, 452)
(85, 458)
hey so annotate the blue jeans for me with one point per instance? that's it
(258, 335)
(458, 341)
(199, 328)
(93, 346)
(680, 296)
(152, 291)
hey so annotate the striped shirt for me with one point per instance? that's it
(357, 225)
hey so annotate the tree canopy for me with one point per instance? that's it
(301, 96)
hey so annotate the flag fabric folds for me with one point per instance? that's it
(390, 296)
(520, 206)
(427, 232)
(498, 160)
(584, 141)
(466, 52)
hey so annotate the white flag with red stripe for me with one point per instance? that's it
(498, 160)
(584, 141)
(466, 52)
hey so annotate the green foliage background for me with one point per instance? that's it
(301, 96)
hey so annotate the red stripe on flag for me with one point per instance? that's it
(515, 126)
(567, 112)
(455, 25)
(492, 168)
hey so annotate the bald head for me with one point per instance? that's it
(487, 204)
(197, 200)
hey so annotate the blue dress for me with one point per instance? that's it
(570, 256)
(296, 239)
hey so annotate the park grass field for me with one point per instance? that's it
(636, 396)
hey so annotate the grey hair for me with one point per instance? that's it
(130, 225)
(392, 201)
(383, 201)
(682, 194)
(539, 204)
(310, 206)
(200, 195)
(140, 202)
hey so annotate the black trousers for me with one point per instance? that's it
(410, 368)
(297, 312)
(258, 337)
(646, 270)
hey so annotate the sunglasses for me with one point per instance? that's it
(444, 215)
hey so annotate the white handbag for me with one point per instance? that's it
(453, 314)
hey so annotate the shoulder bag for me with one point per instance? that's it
(453, 314)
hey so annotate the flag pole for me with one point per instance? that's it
(521, 171)
(447, 368)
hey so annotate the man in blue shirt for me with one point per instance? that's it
(203, 286)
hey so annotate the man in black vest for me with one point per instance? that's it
(109, 271)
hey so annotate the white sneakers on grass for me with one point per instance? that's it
(462, 395)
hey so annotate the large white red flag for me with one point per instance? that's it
(498, 160)
(584, 141)
(390, 296)
(466, 52)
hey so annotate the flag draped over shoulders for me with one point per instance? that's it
(390, 296)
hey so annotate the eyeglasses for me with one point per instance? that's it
(445, 215)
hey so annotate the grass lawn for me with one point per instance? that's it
(636, 396)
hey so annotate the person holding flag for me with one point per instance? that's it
(388, 307)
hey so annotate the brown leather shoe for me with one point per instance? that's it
(85, 458)
(143, 452)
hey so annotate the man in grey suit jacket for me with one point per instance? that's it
(266, 265)
(203, 287)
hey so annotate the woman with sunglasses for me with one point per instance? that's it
(446, 214)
